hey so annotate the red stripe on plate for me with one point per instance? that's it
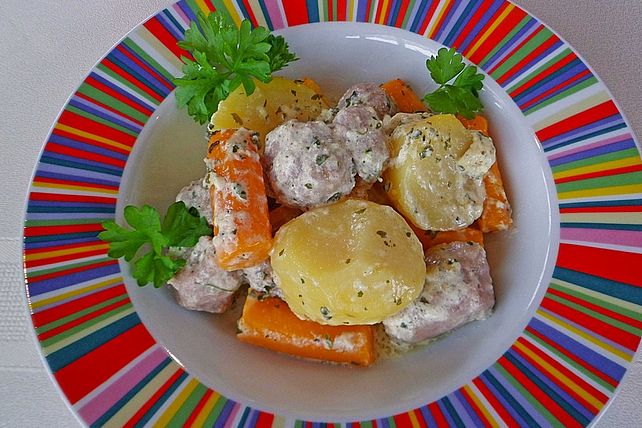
(154, 398)
(603, 173)
(146, 67)
(507, 25)
(607, 331)
(89, 371)
(495, 403)
(544, 74)
(566, 372)
(75, 256)
(605, 209)
(555, 88)
(532, 389)
(593, 114)
(83, 124)
(118, 112)
(601, 262)
(472, 21)
(83, 154)
(35, 278)
(436, 413)
(57, 230)
(165, 37)
(71, 324)
(58, 197)
(73, 306)
(109, 91)
(294, 14)
(199, 407)
(599, 309)
(131, 79)
(573, 357)
(528, 58)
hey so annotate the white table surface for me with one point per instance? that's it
(48, 46)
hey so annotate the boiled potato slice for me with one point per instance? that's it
(430, 180)
(270, 105)
(353, 262)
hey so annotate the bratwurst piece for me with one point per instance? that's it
(361, 131)
(306, 166)
(458, 290)
(369, 95)
(202, 285)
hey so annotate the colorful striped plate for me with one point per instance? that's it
(110, 345)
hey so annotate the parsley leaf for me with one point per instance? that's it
(446, 65)
(462, 95)
(181, 227)
(225, 57)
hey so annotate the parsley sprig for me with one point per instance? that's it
(181, 227)
(459, 97)
(225, 57)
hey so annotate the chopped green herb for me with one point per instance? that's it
(321, 159)
(335, 197)
(382, 233)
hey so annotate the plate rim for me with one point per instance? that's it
(31, 188)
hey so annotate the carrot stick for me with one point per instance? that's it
(403, 95)
(271, 324)
(478, 123)
(243, 235)
(281, 215)
(429, 238)
(497, 213)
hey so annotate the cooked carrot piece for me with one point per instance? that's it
(403, 95)
(281, 215)
(243, 235)
(497, 213)
(478, 123)
(271, 324)
(429, 238)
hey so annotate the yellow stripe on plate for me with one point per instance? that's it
(94, 137)
(481, 406)
(65, 252)
(74, 293)
(442, 10)
(202, 6)
(207, 408)
(592, 339)
(560, 376)
(620, 163)
(231, 9)
(490, 30)
(123, 416)
(48, 350)
(601, 191)
(171, 410)
(71, 187)
(607, 218)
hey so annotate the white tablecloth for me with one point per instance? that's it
(47, 47)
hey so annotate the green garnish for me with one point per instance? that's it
(181, 227)
(225, 57)
(459, 97)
